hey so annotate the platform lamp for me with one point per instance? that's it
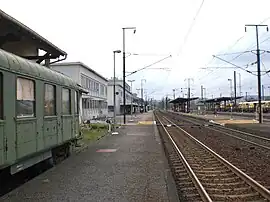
(114, 93)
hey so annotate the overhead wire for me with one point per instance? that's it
(148, 66)
(190, 27)
(237, 41)
(243, 52)
(251, 46)
(237, 66)
(232, 53)
(266, 72)
(189, 30)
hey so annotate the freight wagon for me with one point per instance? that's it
(39, 114)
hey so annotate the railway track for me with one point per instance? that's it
(203, 175)
(253, 139)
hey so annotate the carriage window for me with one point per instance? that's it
(1, 96)
(49, 100)
(25, 98)
(76, 102)
(66, 109)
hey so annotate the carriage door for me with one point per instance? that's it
(67, 123)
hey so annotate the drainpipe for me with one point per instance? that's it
(59, 60)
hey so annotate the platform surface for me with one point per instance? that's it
(223, 118)
(130, 166)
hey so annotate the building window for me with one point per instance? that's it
(88, 84)
(84, 103)
(76, 102)
(88, 103)
(83, 81)
(25, 98)
(91, 85)
(1, 96)
(49, 100)
(98, 87)
(66, 109)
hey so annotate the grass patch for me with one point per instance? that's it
(93, 132)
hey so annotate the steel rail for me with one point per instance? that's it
(245, 133)
(239, 138)
(236, 131)
(204, 195)
(254, 184)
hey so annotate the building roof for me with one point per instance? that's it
(11, 29)
(80, 64)
(182, 100)
(220, 99)
(11, 62)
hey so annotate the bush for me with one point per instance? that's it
(98, 126)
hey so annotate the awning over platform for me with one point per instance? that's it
(17, 38)
(183, 100)
(220, 99)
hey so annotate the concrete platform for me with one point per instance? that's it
(130, 166)
(232, 121)
(244, 115)
(222, 119)
(137, 119)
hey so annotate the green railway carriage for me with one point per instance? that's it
(39, 115)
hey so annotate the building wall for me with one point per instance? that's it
(94, 103)
(71, 71)
(94, 91)
(119, 98)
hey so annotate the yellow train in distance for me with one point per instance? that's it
(251, 106)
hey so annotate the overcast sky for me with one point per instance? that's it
(89, 31)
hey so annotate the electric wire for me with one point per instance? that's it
(190, 27)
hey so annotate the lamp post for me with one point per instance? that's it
(142, 80)
(124, 70)
(131, 105)
(240, 93)
(230, 80)
(204, 90)
(114, 100)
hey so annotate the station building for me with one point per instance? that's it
(119, 105)
(93, 104)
